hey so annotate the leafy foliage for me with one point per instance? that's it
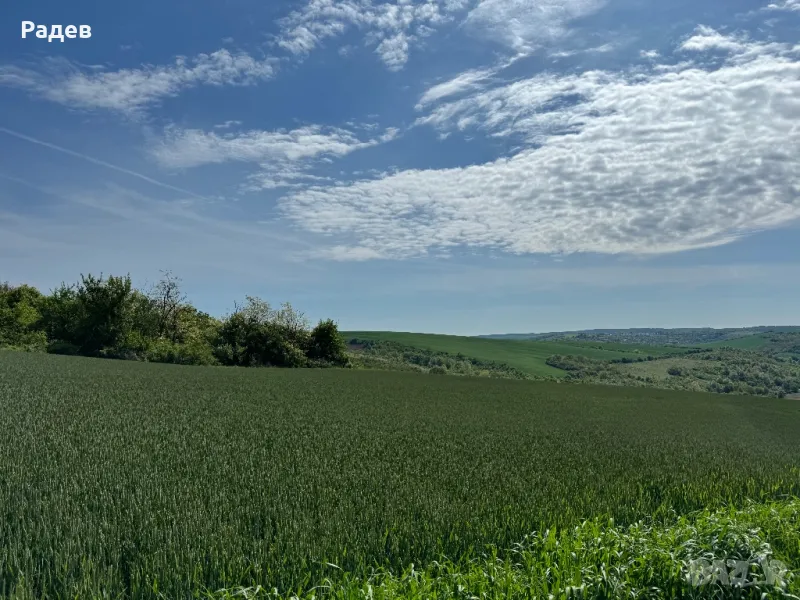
(597, 559)
(107, 317)
(21, 317)
(326, 344)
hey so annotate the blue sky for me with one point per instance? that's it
(451, 166)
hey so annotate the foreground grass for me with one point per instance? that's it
(130, 480)
(669, 558)
(527, 356)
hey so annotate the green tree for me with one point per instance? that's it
(21, 323)
(326, 344)
(96, 316)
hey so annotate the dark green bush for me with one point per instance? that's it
(108, 318)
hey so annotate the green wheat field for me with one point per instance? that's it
(135, 480)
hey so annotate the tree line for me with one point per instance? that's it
(719, 370)
(108, 317)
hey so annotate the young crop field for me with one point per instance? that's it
(747, 342)
(527, 356)
(135, 480)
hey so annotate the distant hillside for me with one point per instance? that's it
(777, 344)
(764, 364)
(651, 336)
(524, 355)
(724, 370)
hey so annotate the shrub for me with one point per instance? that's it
(31, 341)
(277, 351)
(326, 344)
(192, 353)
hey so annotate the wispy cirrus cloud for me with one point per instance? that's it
(284, 156)
(132, 89)
(101, 163)
(468, 81)
(463, 82)
(692, 155)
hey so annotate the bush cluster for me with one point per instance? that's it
(108, 317)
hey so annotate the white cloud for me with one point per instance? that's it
(603, 49)
(184, 148)
(130, 90)
(524, 24)
(228, 124)
(706, 38)
(467, 81)
(343, 253)
(394, 51)
(284, 156)
(653, 162)
(392, 28)
(786, 5)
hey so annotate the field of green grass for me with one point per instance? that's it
(748, 342)
(658, 369)
(527, 356)
(134, 480)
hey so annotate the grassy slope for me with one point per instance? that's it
(658, 368)
(748, 342)
(527, 356)
(218, 477)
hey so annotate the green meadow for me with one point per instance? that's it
(124, 479)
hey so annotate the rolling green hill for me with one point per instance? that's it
(652, 336)
(779, 344)
(527, 356)
(748, 342)
(618, 347)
